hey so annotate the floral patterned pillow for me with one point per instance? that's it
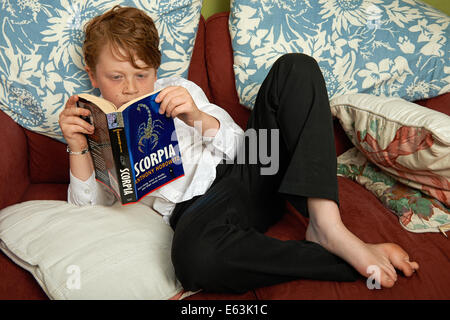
(416, 211)
(407, 141)
(41, 61)
(383, 47)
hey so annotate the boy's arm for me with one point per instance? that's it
(81, 165)
(74, 129)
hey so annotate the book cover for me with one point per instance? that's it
(153, 146)
(134, 151)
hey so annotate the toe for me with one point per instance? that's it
(387, 281)
(414, 266)
(400, 259)
(382, 275)
(406, 266)
(407, 269)
(390, 272)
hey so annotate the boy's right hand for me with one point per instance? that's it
(73, 127)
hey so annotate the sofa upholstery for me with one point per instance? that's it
(33, 167)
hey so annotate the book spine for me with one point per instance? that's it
(122, 161)
(100, 146)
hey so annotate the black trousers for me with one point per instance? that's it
(218, 243)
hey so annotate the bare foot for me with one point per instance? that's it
(336, 238)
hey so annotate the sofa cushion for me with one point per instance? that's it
(45, 191)
(88, 252)
(17, 284)
(41, 62)
(440, 103)
(219, 59)
(382, 47)
(408, 141)
(45, 169)
(13, 161)
(367, 218)
(197, 67)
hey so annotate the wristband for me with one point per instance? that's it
(77, 152)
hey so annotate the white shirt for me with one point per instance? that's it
(199, 154)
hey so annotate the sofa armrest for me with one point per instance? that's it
(13, 161)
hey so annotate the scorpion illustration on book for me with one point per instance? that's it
(148, 131)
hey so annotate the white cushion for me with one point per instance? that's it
(91, 252)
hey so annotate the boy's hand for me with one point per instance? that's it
(177, 102)
(72, 126)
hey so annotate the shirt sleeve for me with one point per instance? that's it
(230, 136)
(89, 192)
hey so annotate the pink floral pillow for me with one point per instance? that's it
(405, 140)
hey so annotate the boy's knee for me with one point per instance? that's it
(298, 62)
(294, 59)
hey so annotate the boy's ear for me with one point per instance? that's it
(91, 76)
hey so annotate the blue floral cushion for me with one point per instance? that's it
(41, 62)
(382, 47)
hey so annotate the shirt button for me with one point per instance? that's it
(87, 191)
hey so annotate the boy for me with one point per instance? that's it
(220, 211)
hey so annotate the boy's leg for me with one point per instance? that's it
(309, 180)
(218, 244)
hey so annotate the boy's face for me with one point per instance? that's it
(118, 81)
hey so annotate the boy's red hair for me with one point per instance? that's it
(129, 32)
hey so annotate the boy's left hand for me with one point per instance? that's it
(177, 102)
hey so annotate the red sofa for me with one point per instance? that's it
(33, 167)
